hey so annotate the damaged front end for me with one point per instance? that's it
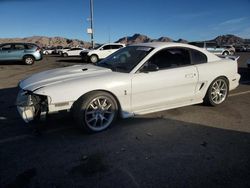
(31, 106)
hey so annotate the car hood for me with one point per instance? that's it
(59, 75)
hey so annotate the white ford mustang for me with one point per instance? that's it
(137, 79)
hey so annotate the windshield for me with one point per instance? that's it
(96, 47)
(125, 59)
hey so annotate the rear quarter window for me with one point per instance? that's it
(198, 57)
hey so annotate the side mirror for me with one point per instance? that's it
(150, 68)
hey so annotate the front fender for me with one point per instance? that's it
(64, 94)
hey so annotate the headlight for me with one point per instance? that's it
(23, 98)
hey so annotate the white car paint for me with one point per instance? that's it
(64, 50)
(74, 52)
(136, 92)
(105, 50)
(47, 52)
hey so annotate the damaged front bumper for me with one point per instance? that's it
(31, 106)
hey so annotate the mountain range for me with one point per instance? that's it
(43, 41)
(136, 38)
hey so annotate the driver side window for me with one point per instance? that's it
(107, 47)
(170, 58)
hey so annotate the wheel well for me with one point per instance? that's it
(94, 55)
(116, 99)
(225, 79)
(28, 55)
(216, 79)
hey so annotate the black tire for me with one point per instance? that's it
(29, 60)
(217, 96)
(65, 55)
(225, 53)
(94, 59)
(95, 111)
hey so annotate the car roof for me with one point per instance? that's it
(161, 45)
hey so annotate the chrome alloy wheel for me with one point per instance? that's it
(219, 91)
(99, 113)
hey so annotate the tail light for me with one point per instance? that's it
(38, 49)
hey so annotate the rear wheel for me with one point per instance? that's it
(29, 60)
(65, 55)
(225, 53)
(94, 58)
(95, 111)
(217, 92)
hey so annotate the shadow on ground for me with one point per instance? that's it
(12, 63)
(245, 75)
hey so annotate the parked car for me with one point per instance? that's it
(218, 50)
(73, 52)
(48, 51)
(26, 52)
(63, 50)
(137, 79)
(230, 48)
(57, 49)
(248, 48)
(240, 48)
(214, 48)
(101, 52)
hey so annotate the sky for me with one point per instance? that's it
(192, 20)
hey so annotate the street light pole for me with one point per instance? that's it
(91, 23)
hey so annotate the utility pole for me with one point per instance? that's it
(91, 23)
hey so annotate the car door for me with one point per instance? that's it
(18, 51)
(75, 52)
(5, 52)
(105, 51)
(172, 85)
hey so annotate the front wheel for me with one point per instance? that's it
(65, 55)
(29, 60)
(217, 92)
(95, 111)
(94, 58)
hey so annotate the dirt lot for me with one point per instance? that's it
(195, 146)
